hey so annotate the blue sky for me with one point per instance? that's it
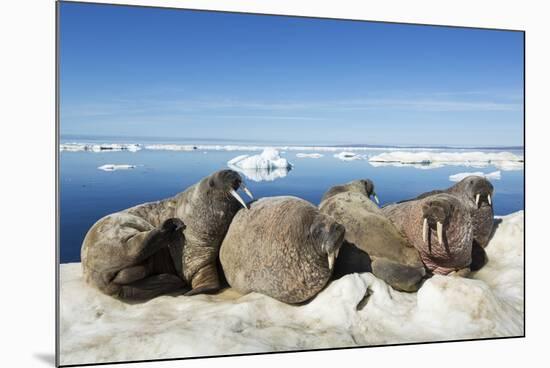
(145, 72)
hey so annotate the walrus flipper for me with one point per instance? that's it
(152, 287)
(205, 281)
(143, 245)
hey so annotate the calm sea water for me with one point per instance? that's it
(87, 194)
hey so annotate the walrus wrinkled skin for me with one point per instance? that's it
(363, 186)
(207, 209)
(282, 247)
(440, 227)
(158, 247)
(128, 256)
(369, 231)
(477, 193)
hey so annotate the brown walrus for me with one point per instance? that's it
(477, 193)
(282, 247)
(146, 249)
(363, 186)
(440, 227)
(372, 242)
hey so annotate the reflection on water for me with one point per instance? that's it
(269, 174)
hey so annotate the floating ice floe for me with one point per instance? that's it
(349, 156)
(309, 155)
(267, 166)
(113, 167)
(429, 160)
(268, 159)
(102, 147)
(356, 310)
(491, 176)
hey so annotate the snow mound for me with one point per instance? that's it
(349, 156)
(114, 167)
(356, 310)
(491, 176)
(309, 155)
(268, 159)
(501, 160)
(103, 147)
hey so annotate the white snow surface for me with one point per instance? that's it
(495, 175)
(505, 161)
(114, 167)
(100, 147)
(309, 155)
(349, 156)
(356, 310)
(268, 159)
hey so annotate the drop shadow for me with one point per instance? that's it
(47, 358)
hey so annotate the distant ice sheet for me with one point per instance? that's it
(505, 161)
(309, 155)
(100, 147)
(113, 167)
(491, 176)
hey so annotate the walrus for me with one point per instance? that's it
(128, 257)
(282, 247)
(158, 247)
(477, 193)
(207, 208)
(440, 227)
(372, 242)
(363, 186)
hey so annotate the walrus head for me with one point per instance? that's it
(366, 187)
(229, 181)
(478, 189)
(328, 236)
(436, 212)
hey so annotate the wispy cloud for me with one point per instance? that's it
(301, 110)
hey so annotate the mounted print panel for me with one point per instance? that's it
(234, 183)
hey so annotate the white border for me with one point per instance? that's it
(27, 157)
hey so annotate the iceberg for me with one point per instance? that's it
(309, 155)
(356, 310)
(506, 161)
(259, 175)
(113, 167)
(268, 159)
(349, 156)
(103, 147)
(458, 177)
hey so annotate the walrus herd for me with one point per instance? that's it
(208, 237)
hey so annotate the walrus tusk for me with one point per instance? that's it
(248, 193)
(425, 230)
(489, 199)
(336, 253)
(477, 199)
(376, 198)
(331, 257)
(238, 197)
(440, 232)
